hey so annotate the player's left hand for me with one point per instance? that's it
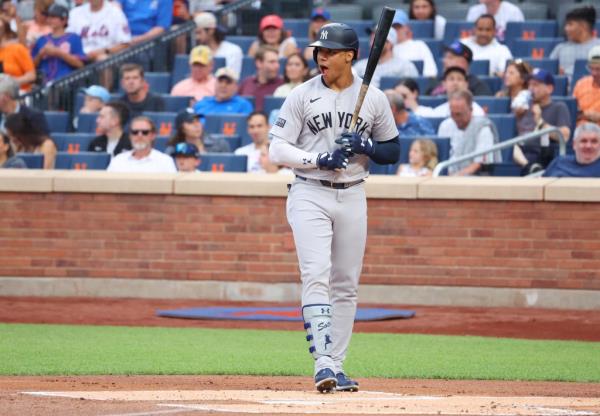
(352, 143)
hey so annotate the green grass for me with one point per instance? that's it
(80, 350)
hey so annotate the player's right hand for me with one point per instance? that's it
(337, 160)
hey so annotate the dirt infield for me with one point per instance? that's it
(186, 395)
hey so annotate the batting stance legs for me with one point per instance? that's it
(329, 227)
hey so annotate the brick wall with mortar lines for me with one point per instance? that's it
(420, 242)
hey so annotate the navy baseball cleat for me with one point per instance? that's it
(345, 383)
(325, 381)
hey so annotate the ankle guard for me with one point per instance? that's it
(317, 322)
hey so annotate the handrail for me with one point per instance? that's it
(503, 145)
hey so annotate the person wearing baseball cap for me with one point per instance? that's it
(189, 129)
(94, 99)
(209, 33)
(410, 49)
(272, 33)
(460, 55)
(201, 82)
(226, 99)
(587, 90)
(318, 18)
(187, 157)
(58, 53)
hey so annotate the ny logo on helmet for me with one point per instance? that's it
(324, 35)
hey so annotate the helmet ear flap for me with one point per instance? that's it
(315, 52)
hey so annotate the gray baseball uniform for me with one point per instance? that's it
(329, 224)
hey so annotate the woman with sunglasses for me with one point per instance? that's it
(516, 87)
(189, 129)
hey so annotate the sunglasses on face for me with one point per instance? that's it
(143, 132)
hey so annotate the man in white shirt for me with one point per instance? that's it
(502, 11)
(410, 49)
(485, 46)
(143, 158)
(389, 65)
(258, 129)
(212, 35)
(467, 135)
(102, 26)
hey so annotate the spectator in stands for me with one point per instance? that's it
(8, 160)
(143, 158)
(503, 12)
(212, 35)
(29, 138)
(102, 26)
(267, 165)
(258, 129)
(425, 10)
(272, 33)
(408, 123)
(15, 58)
(460, 55)
(319, 17)
(58, 53)
(422, 159)
(9, 104)
(267, 78)
(485, 46)
(147, 18)
(534, 155)
(201, 82)
(455, 79)
(409, 90)
(189, 129)
(226, 99)
(187, 157)
(37, 27)
(110, 123)
(389, 65)
(587, 90)
(586, 160)
(408, 48)
(95, 96)
(296, 72)
(137, 97)
(579, 30)
(468, 134)
(516, 87)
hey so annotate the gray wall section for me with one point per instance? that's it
(290, 292)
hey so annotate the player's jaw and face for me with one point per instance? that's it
(258, 129)
(334, 63)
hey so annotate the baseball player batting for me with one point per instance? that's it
(326, 205)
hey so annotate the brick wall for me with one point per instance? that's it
(411, 241)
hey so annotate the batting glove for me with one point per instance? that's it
(352, 143)
(337, 160)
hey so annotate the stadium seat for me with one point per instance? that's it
(158, 82)
(506, 168)
(164, 122)
(72, 142)
(223, 162)
(82, 160)
(390, 82)
(431, 101)
(58, 121)
(234, 141)
(86, 122)
(550, 65)
(175, 104)
(452, 10)
(181, 69)
(436, 46)
(419, 64)
(561, 83)
(480, 67)
(364, 47)
(160, 143)
(421, 29)
(272, 103)
(32, 160)
(506, 124)
(494, 83)
(530, 29)
(457, 29)
(345, 12)
(534, 10)
(535, 48)
(360, 26)
(243, 42)
(435, 122)
(296, 27)
(229, 125)
(579, 71)
(493, 105)
(571, 104)
(377, 169)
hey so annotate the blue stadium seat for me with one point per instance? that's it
(436, 46)
(377, 169)
(82, 160)
(506, 125)
(480, 67)
(32, 160)
(494, 105)
(160, 143)
(158, 82)
(296, 27)
(419, 64)
(390, 82)
(243, 42)
(72, 142)
(550, 65)
(58, 121)
(364, 46)
(428, 101)
(164, 122)
(536, 48)
(360, 26)
(494, 83)
(229, 125)
(272, 103)
(223, 162)
(456, 30)
(530, 29)
(175, 104)
(181, 69)
(579, 71)
(571, 104)
(86, 122)
(435, 122)
(561, 83)
(421, 29)
(234, 141)
(506, 168)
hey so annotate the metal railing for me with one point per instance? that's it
(562, 148)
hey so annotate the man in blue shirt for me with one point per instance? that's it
(226, 99)
(408, 123)
(586, 161)
(58, 53)
(147, 18)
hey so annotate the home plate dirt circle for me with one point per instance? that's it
(365, 402)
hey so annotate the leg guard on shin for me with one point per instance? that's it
(317, 322)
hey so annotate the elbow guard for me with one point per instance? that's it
(386, 153)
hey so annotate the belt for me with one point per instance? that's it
(334, 185)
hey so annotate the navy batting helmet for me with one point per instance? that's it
(336, 36)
